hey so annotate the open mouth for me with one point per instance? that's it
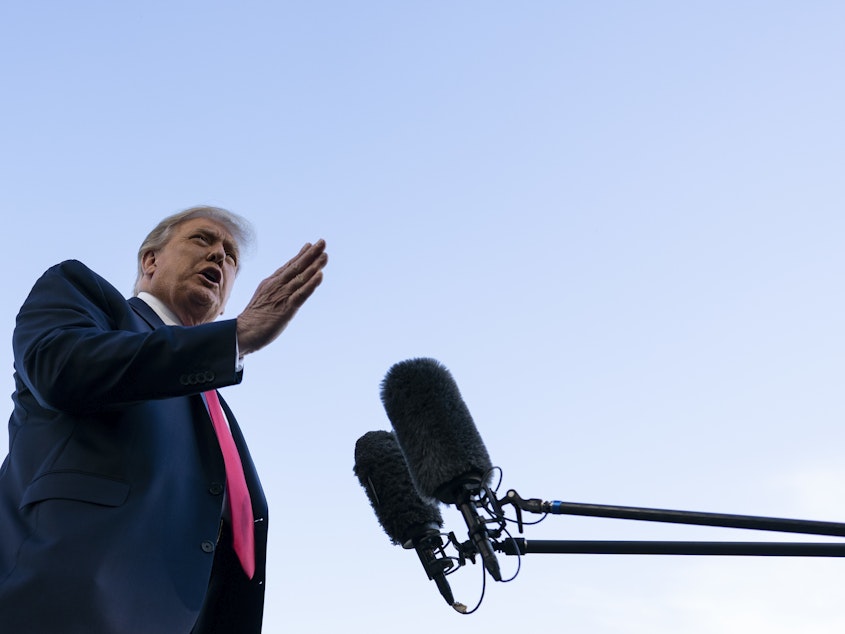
(212, 275)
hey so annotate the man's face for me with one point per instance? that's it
(193, 273)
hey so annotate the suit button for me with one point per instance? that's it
(208, 546)
(216, 488)
(209, 377)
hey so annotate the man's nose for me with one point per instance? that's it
(217, 254)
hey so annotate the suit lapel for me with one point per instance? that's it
(145, 312)
(203, 420)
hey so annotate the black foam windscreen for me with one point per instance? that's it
(381, 469)
(434, 428)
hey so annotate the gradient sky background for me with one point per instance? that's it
(618, 224)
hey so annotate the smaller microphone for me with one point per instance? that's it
(444, 452)
(407, 519)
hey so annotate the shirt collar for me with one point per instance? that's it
(165, 314)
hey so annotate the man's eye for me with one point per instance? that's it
(201, 237)
(232, 258)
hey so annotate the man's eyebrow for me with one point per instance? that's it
(228, 243)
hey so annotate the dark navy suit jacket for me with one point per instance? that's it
(111, 495)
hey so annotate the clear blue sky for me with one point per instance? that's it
(619, 224)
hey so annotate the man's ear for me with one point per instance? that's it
(148, 263)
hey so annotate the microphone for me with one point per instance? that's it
(445, 455)
(407, 519)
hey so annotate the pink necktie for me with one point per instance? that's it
(243, 535)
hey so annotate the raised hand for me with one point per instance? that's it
(278, 297)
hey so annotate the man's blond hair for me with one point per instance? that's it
(239, 227)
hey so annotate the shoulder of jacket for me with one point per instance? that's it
(75, 275)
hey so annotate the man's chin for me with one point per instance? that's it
(204, 307)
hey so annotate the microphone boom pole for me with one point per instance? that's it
(725, 520)
(519, 546)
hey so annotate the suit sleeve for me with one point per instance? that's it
(76, 350)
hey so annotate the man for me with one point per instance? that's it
(120, 510)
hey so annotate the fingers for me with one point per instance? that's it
(306, 271)
(305, 287)
(302, 262)
(278, 298)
